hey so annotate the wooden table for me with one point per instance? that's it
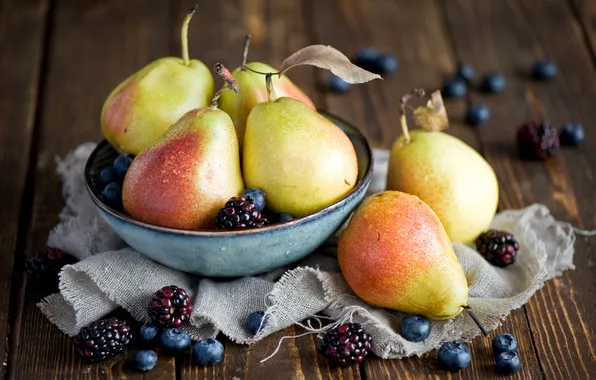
(60, 59)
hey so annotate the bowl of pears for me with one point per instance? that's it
(232, 182)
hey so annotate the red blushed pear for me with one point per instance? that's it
(188, 174)
(396, 254)
(252, 91)
(141, 108)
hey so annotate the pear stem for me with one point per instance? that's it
(230, 83)
(270, 89)
(476, 320)
(184, 34)
(418, 92)
(245, 52)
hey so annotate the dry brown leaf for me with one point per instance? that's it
(433, 116)
(327, 57)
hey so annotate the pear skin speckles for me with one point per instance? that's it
(396, 254)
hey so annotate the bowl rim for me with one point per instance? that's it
(228, 233)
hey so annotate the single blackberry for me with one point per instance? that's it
(46, 265)
(537, 141)
(239, 212)
(346, 344)
(102, 339)
(498, 247)
(170, 306)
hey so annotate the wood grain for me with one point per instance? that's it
(426, 58)
(512, 37)
(93, 46)
(585, 11)
(22, 25)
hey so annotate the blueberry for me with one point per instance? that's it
(148, 332)
(257, 196)
(174, 340)
(508, 363)
(545, 69)
(385, 64)
(208, 351)
(493, 83)
(336, 84)
(144, 360)
(454, 88)
(106, 176)
(255, 322)
(112, 195)
(121, 165)
(504, 343)
(281, 218)
(366, 57)
(572, 134)
(477, 114)
(414, 328)
(465, 72)
(454, 355)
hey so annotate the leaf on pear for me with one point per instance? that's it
(433, 116)
(327, 57)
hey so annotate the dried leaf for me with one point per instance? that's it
(327, 57)
(433, 116)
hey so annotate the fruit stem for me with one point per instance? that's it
(476, 320)
(402, 109)
(245, 52)
(270, 89)
(184, 34)
(230, 84)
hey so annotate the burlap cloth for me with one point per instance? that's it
(110, 275)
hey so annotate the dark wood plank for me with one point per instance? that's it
(296, 359)
(585, 12)
(93, 46)
(278, 30)
(509, 37)
(22, 25)
(419, 39)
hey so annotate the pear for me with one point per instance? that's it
(395, 254)
(140, 109)
(448, 175)
(187, 175)
(301, 160)
(253, 91)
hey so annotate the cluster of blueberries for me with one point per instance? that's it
(457, 86)
(174, 341)
(456, 355)
(110, 179)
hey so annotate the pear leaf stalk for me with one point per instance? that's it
(229, 85)
(476, 320)
(245, 52)
(184, 34)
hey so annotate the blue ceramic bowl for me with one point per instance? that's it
(233, 253)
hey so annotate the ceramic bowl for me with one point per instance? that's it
(233, 253)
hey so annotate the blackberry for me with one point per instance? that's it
(498, 247)
(46, 265)
(537, 141)
(239, 212)
(170, 306)
(346, 344)
(102, 339)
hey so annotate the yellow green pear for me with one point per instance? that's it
(301, 160)
(396, 254)
(187, 175)
(252, 91)
(448, 175)
(141, 108)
